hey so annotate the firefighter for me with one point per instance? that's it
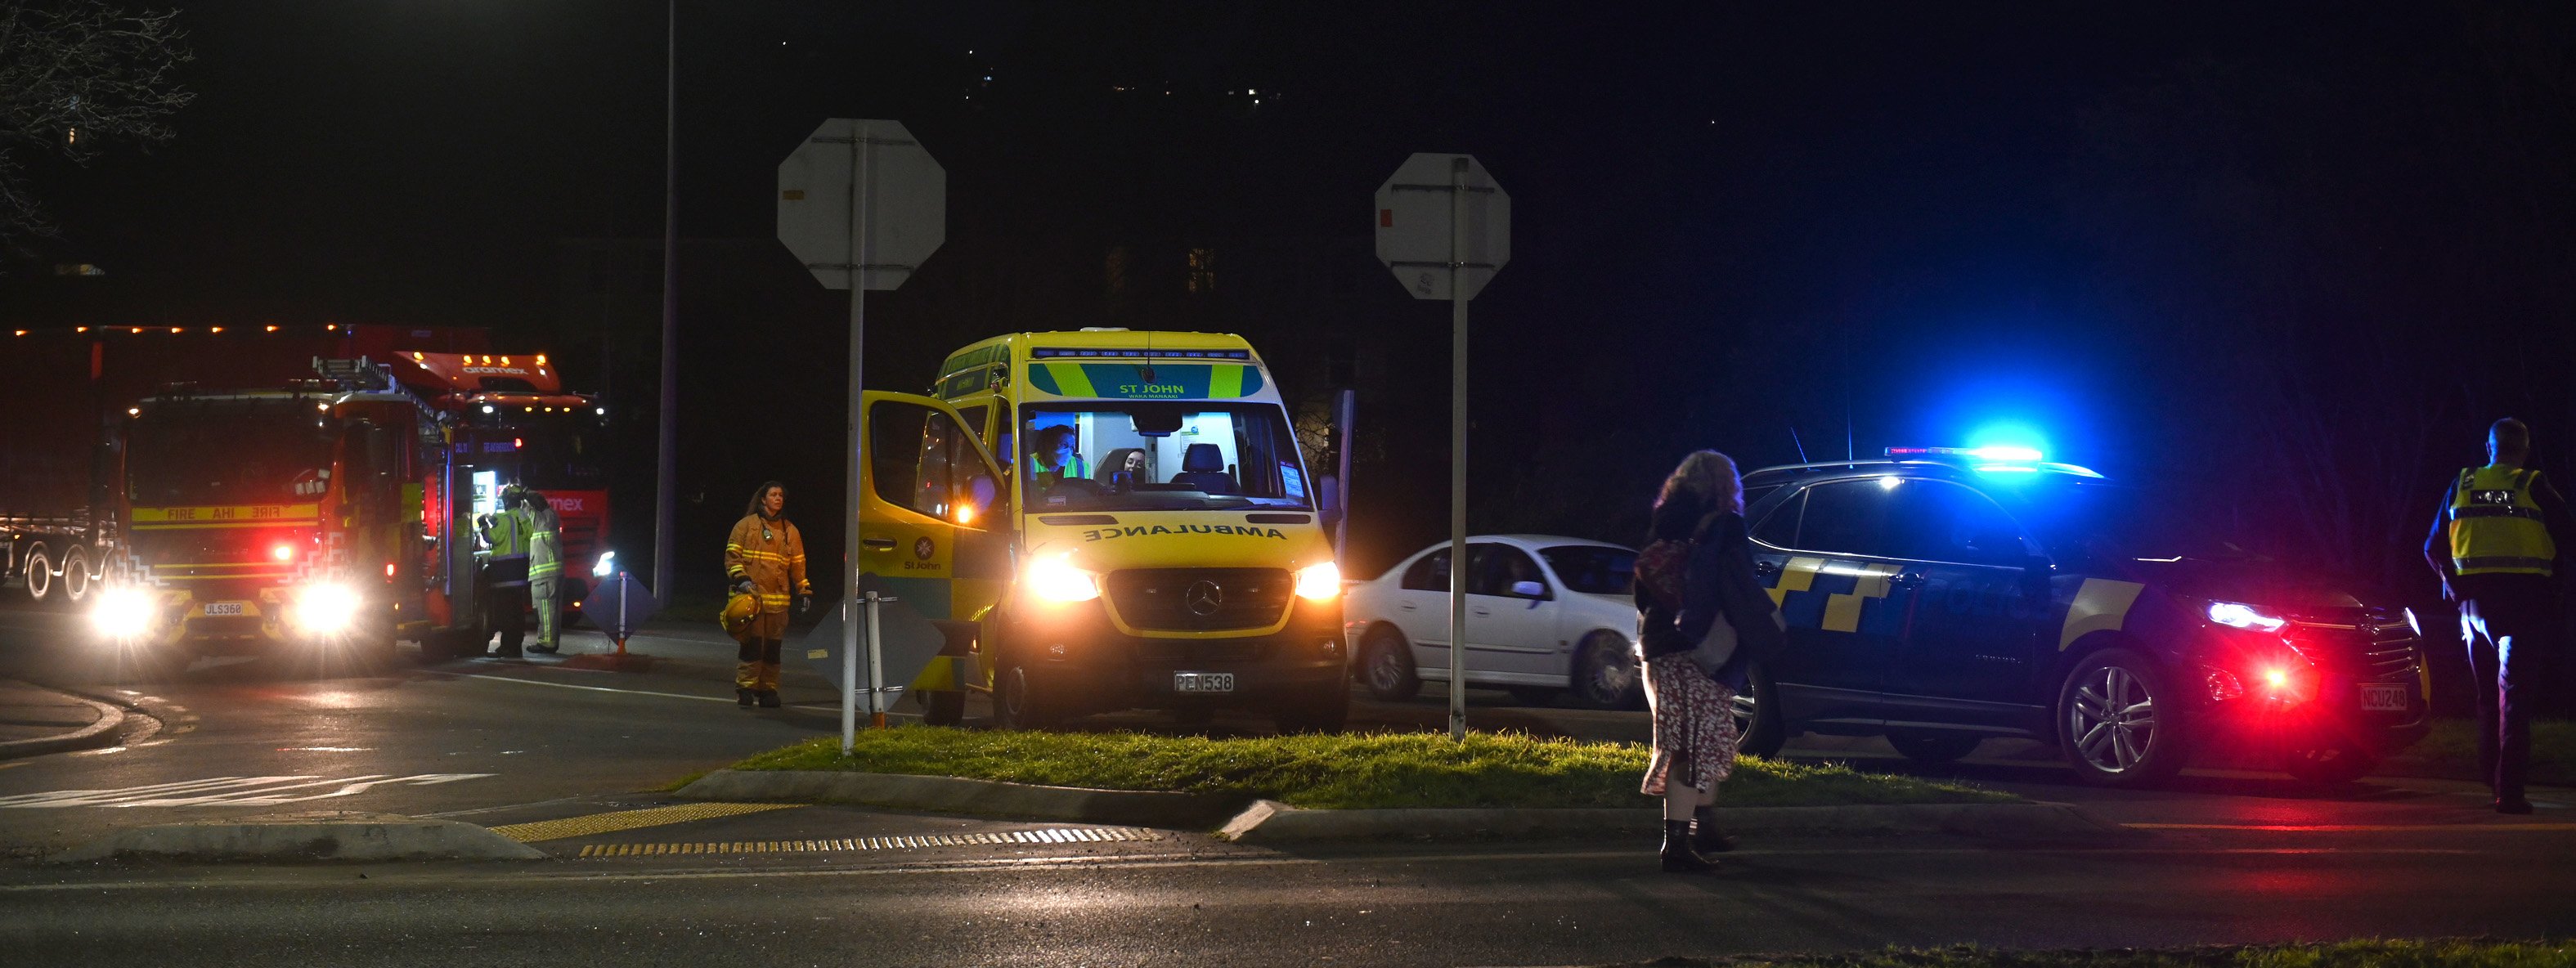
(765, 558)
(506, 533)
(545, 569)
(2495, 543)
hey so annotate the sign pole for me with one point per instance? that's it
(859, 444)
(1458, 559)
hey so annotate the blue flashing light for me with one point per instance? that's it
(2007, 454)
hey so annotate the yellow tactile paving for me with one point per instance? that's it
(1052, 835)
(609, 823)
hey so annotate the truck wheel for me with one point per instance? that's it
(1605, 673)
(75, 574)
(1386, 665)
(441, 646)
(1016, 705)
(1324, 712)
(2333, 765)
(2120, 722)
(39, 569)
(1932, 748)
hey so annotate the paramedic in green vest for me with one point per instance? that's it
(545, 569)
(506, 531)
(2496, 543)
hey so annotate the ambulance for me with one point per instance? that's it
(1107, 520)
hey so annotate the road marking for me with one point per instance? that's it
(1048, 835)
(2358, 828)
(608, 823)
(228, 791)
(567, 685)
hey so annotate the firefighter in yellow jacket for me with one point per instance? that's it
(765, 558)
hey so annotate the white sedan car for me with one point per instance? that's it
(1544, 614)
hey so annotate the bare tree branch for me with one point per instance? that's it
(78, 76)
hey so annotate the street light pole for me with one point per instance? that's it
(666, 454)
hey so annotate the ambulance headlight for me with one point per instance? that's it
(1057, 580)
(325, 609)
(607, 565)
(124, 612)
(1319, 582)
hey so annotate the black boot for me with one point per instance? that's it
(1679, 858)
(769, 699)
(744, 697)
(1705, 837)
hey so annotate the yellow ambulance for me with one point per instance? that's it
(1116, 520)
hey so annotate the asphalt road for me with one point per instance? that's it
(2233, 855)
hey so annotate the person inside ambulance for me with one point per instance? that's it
(1124, 467)
(1055, 460)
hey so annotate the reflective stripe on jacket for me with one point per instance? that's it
(545, 541)
(2497, 526)
(772, 555)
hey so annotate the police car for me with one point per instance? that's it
(1945, 596)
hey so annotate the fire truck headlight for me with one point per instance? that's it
(607, 565)
(123, 613)
(324, 609)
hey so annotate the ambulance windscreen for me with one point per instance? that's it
(1159, 456)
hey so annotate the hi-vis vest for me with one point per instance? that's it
(545, 541)
(2496, 527)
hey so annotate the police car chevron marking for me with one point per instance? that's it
(2102, 605)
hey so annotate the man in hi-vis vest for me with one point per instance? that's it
(2496, 543)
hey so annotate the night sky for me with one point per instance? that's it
(2283, 260)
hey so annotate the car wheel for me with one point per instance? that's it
(1932, 748)
(1386, 665)
(75, 574)
(2333, 765)
(2119, 722)
(1535, 695)
(1019, 703)
(1759, 729)
(1324, 712)
(1605, 673)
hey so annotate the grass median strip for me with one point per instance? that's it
(2347, 954)
(1345, 771)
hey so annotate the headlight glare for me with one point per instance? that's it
(123, 613)
(2244, 617)
(324, 609)
(1319, 582)
(1056, 579)
(607, 564)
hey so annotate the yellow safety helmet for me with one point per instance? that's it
(738, 613)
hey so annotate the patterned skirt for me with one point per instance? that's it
(1694, 725)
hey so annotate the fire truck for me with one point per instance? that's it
(261, 488)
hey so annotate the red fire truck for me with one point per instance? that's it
(245, 489)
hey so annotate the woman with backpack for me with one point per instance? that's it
(1701, 618)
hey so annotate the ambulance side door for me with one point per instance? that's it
(931, 511)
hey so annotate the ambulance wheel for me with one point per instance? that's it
(2120, 722)
(39, 568)
(1327, 711)
(1019, 704)
(1386, 665)
(942, 708)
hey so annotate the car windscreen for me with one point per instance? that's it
(228, 452)
(1593, 569)
(2110, 522)
(1159, 456)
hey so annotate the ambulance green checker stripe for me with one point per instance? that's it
(1171, 381)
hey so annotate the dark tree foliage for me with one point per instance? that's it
(77, 76)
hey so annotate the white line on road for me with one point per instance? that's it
(227, 791)
(567, 685)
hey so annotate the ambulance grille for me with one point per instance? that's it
(1178, 599)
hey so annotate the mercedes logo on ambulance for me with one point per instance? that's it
(1203, 598)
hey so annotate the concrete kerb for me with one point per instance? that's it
(110, 724)
(303, 837)
(948, 794)
(1272, 822)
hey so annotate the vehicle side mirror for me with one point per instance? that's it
(1528, 589)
